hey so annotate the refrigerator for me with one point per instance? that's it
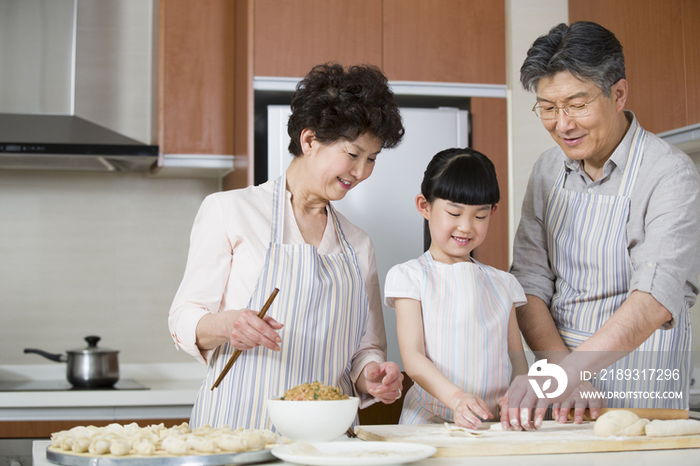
(384, 204)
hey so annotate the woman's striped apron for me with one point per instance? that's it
(588, 252)
(323, 305)
(465, 307)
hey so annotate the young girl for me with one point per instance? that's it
(456, 317)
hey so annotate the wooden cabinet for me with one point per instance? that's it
(691, 45)
(461, 41)
(661, 41)
(489, 120)
(205, 80)
(44, 429)
(196, 92)
(411, 40)
(291, 36)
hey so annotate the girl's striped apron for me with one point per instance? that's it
(323, 305)
(465, 307)
(588, 252)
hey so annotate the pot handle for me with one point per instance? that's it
(51, 356)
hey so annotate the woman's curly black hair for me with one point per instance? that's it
(336, 103)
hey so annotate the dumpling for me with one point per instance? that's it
(231, 443)
(81, 444)
(175, 445)
(144, 447)
(67, 442)
(113, 428)
(269, 436)
(57, 438)
(99, 446)
(120, 447)
(80, 431)
(185, 428)
(255, 440)
(200, 444)
(203, 431)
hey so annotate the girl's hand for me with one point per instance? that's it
(383, 381)
(469, 410)
(245, 330)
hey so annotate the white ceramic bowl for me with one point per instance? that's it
(312, 421)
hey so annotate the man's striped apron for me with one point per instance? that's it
(323, 305)
(465, 307)
(588, 252)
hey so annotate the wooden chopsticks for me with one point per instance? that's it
(237, 353)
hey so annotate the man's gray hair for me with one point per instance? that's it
(585, 49)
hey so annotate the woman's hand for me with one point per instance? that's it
(246, 330)
(382, 381)
(469, 410)
(242, 328)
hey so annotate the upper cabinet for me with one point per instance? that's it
(205, 86)
(462, 41)
(210, 50)
(196, 89)
(291, 36)
(411, 40)
(691, 45)
(661, 41)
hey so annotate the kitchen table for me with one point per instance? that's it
(638, 458)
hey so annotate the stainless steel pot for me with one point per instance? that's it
(90, 367)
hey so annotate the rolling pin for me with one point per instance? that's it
(646, 413)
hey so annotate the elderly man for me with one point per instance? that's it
(607, 247)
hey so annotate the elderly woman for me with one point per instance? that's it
(326, 324)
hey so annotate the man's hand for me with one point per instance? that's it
(522, 409)
(560, 411)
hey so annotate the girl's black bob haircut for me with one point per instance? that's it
(463, 176)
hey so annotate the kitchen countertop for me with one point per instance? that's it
(172, 389)
(638, 458)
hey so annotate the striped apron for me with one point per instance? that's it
(465, 307)
(588, 252)
(323, 305)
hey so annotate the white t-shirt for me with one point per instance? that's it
(406, 280)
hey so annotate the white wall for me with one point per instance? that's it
(88, 253)
(525, 22)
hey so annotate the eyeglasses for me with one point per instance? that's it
(549, 112)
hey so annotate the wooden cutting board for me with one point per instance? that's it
(550, 438)
(650, 414)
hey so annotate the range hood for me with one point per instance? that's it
(79, 85)
(686, 139)
(65, 142)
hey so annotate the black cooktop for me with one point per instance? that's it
(62, 385)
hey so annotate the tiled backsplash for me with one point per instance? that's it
(92, 254)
